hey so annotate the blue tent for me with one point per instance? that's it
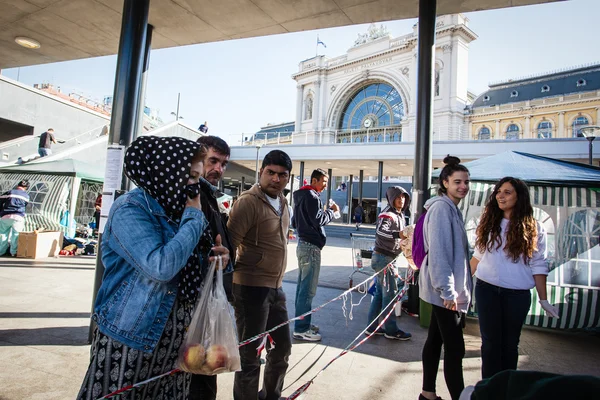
(535, 170)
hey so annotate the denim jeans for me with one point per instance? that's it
(9, 234)
(258, 309)
(43, 152)
(502, 313)
(445, 329)
(383, 294)
(309, 266)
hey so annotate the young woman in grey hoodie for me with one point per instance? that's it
(444, 280)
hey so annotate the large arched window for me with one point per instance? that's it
(365, 139)
(380, 137)
(578, 123)
(371, 138)
(484, 133)
(512, 132)
(397, 137)
(544, 130)
(374, 105)
(356, 139)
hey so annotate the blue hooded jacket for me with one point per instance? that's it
(13, 202)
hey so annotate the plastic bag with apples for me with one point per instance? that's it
(211, 344)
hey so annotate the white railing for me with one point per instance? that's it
(392, 134)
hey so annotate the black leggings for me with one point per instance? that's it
(445, 328)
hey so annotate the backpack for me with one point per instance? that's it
(418, 243)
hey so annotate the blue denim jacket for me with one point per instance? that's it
(143, 251)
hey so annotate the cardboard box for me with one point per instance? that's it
(39, 244)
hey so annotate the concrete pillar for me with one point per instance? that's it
(349, 189)
(496, 134)
(317, 105)
(299, 98)
(527, 132)
(561, 125)
(292, 190)
(361, 177)
(597, 121)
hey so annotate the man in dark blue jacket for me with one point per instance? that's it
(12, 216)
(309, 219)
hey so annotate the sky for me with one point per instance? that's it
(238, 86)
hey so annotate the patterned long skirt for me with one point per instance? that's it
(114, 365)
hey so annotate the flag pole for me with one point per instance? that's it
(317, 47)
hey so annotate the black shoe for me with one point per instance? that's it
(400, 335)
(421, 397)
(378, 332)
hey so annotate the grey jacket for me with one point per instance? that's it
(445, 271)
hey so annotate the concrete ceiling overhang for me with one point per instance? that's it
(75, 29)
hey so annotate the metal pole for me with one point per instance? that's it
(256, 173)
(349, 189)
(243, 184)
(301, 176)
(139, 127)
(590, 139)
(128, 78)
(379, 186)
(423, 138)
(178, 99)
(331, 182)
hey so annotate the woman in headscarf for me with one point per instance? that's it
(388, 234)
(155, 249)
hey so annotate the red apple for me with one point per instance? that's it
(194, 357)
(217, 357)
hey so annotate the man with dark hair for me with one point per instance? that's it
(309, 220)
(258, 224)
(204, 387)
(12, 216)
(46, 140)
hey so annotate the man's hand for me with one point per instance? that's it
(334, 207)
(220, 250)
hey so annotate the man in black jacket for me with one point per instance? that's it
(204, 387)
(309, 220)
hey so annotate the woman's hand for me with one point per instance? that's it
(195, 202)
(220, 250)
(450, 305)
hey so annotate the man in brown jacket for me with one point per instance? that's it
(258, 225)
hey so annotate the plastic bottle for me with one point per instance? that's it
(358, 261)
(336, 214)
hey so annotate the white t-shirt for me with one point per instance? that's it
(275, 202)
(497, 268)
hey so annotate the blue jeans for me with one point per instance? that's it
(502, 313)
(9, 234)
(383, 297)
(43, 152)
(309, 266)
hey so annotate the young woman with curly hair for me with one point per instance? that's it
(509, 260)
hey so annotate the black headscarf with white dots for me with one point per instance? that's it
(161, 166)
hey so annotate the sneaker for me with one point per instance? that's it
(400, 335)
(378, 332)
(314, 328)
(308, 336)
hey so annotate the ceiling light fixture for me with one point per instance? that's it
(28, 43)
(403, 164)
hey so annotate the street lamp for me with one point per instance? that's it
(258, 146)
(590, 132)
